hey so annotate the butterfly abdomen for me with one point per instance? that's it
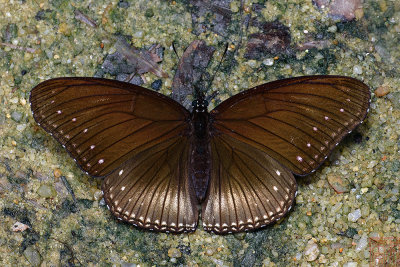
(200, 153)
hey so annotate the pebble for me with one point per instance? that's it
(354, 216)
(57, 173)
(32, 256)
(362, 243)
(174, 253)
(19, 227)
(268, 61)
(350, 264)
(16, 116)
(357, 69)
(338, 184)
(382, 90)
(311, 251)
(156, 85)
(46, 191)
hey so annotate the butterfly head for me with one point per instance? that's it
(200, 105)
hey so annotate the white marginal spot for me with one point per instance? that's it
(341, 110)
(315, 129)
(308, 145)
(326, 118)
(278, 172)
(85, 131)
(299, 159)
(52, 101)
(58, 111)
(275, 188)
(92, 146)
(74, 119)
(348, 99)
(123, 188)
(121, 172)
(316, 156)
(101, 161)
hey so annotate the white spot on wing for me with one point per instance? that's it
(299, 159)
(278, 172)
(121, 172)
(101, 161)
(92, 146)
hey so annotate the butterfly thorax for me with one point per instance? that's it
(200, 152)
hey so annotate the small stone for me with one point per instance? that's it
(362, 243)
(19, 227)
(46, 191)
(98, 194)
(57, 173)
(357, 69)
(32, 256)
(156, 85)
(209, 252)
(338, 184)
(354, 216)
(311, 251)
(350, 264)
(174, 253)
(382, 90)
(268, 61)
(16, 116)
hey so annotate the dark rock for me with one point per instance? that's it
(272, 41)
(123, 4)
(191, 67)
(156, 85)
(212, 15)
(136, 80)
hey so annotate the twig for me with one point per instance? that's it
(26, 49)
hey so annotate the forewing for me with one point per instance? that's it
(248, 189)
(152, 190)
(296, 121)
(103, 123)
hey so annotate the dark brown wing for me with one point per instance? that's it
(296, 121)
(248, 189)
(103, 123)
(135, 137)
(152, 190)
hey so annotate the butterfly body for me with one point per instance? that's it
(160, 161)
(200, 153)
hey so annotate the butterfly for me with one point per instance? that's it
(163, 165)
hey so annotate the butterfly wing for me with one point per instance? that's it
(152, 190)
(293, 123)
(103, 123)
(297, 121)
(118, 130)
(248, 189)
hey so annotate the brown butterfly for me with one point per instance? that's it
(160, 161)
